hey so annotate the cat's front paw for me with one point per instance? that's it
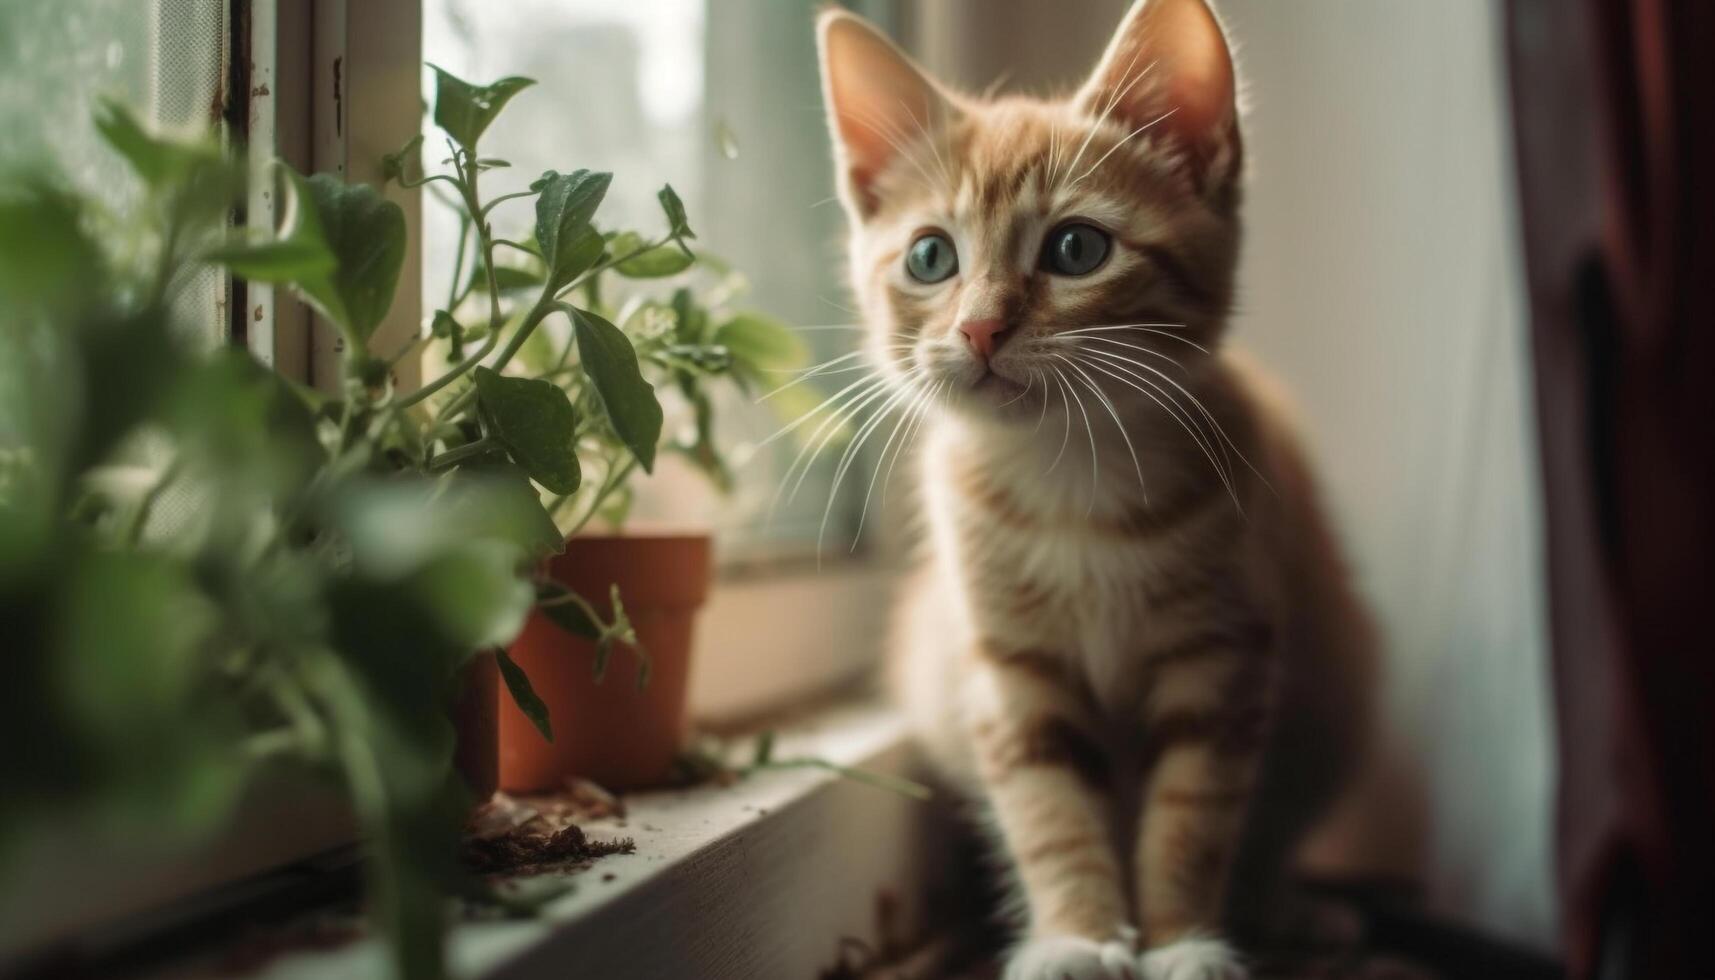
(1071, 958)
(1193, 959)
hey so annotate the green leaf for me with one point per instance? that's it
(366, 233)
(243, 420)
(282, 260)
(536, 422)
(760, 343)
(572, 619)
(508, 491)
(523, 695)
(157, 161)
(393, 527)
(610, 361)
(45, 251)
(663, 260)
(474, 595)
(564, 207)
(340, 246)
(677, 226)
(690, 319)
(506, 277)
(465, 110)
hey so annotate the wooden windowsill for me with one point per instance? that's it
(763, 878)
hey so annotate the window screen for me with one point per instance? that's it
(166, 58)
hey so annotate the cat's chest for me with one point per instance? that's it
(1058, 580)
(1089, 584)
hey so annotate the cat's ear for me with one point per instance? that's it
(879, 103)
(1169, 68)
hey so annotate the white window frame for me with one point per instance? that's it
(334, 87)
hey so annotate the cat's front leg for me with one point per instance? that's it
(1047, 781)
(1205, 720)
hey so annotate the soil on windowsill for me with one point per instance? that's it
(528, 852)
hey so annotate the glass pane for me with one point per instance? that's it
(165, 58)
(641, 88)
(56, 56)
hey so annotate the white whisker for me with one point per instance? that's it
(819, 440)
(1042, 415)
(1150, 328)
(1112, 103)
(923, 130)
(806, 374)
(911, 433)
(1115, 415)
(897, 140)
(1095, 456)
(1065, 436)
(826, 368)
(1021, 394)
(911, 410)
(830, 428)
(851, 454)
(1164, 399)
(1128, 138)
(1227, 443)
(825, 403)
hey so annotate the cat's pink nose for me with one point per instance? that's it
(983, 335)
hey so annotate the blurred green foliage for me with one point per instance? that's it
(207, 569)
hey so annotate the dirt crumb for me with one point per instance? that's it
(520, 850)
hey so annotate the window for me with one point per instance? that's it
(165, 57)
(721, 101)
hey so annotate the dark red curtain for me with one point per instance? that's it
(1614, 120)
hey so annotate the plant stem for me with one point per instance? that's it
(146, 506)
(408, 184)
(538, 313)
(485, 240)
(601, 267)
(459, 454)
(458, 263)
(568, 597)
(615, 478)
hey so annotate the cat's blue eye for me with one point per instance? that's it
(1076, 250)
(931, 258)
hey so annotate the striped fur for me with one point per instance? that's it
(1132, 637)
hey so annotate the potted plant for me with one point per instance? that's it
(609, 322)
(344, 557)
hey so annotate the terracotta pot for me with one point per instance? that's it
(612, 732)
(476, 720)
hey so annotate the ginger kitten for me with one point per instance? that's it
(1134, 637)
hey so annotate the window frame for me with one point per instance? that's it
(333, 86)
